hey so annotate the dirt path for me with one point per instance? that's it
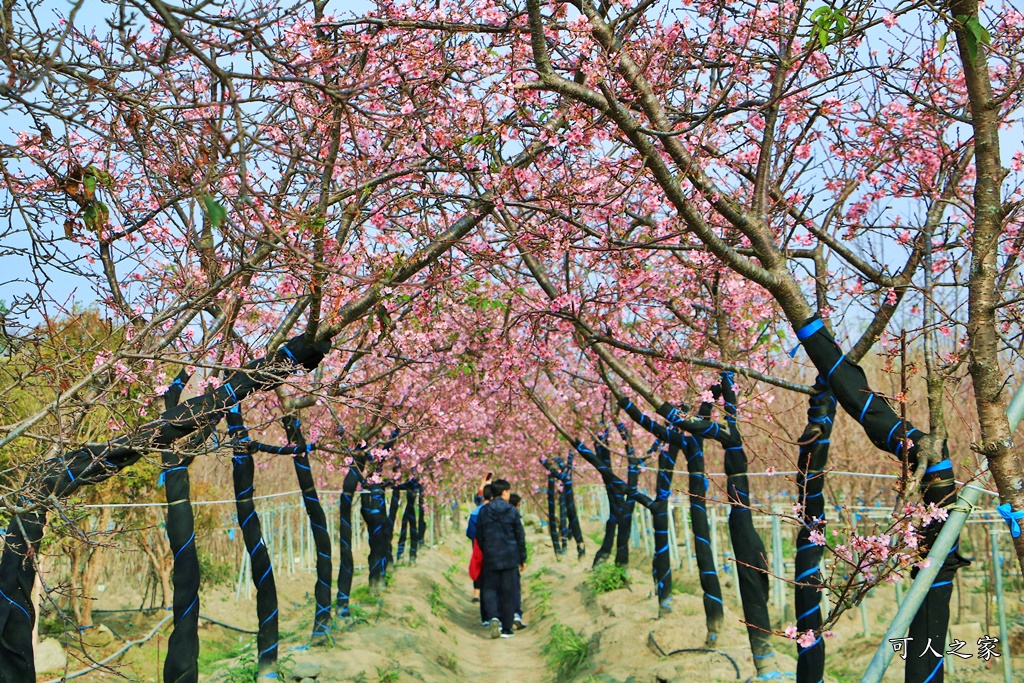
(428, 629)
(482, 658)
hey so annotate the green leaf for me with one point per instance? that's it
(979, 31)
(972, 45)
(90, 186)
(820, 12)
(215, 210)
(823, 37)
(942, 42)
(96, 216)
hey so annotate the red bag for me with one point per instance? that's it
(476, 561)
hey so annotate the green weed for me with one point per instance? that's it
(607, 577)
(567, 652)
(362, 594)
(436, 600)
(540, 600)
(388, 674)
(539, 594)
(449, 661)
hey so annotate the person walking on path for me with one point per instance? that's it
(482, 498)
(514, 500)
(502, 539)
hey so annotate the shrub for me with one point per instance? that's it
(607, 577)
(212, 572)
(567, 652)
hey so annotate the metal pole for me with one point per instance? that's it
(648, 532)
(779, 569)
(864, 617)
(712, 510)
(1004, 636)
(684, 516)
(966, 500)
(291, 544)
(826, 606)
(673, 541)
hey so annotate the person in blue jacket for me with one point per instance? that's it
(481, 499)
(502, 539)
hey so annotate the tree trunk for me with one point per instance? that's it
(164, 572)
(983, 298)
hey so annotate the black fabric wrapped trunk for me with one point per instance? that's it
(887, 431)
(849, 385)
(182, 662)
(748, 547)
(563, 519)
(610, 525)
(318, 528)
(242, 470)
(662, 562)
(375, 517)
(661, 566)
(614, 504)
(552, 497)
(811, 463)
(346, 563)
(569, 522)
(932, 619)
(421, 525)
(409, 529)
(61, 476)
(570, 506)
(698, 492)
(626, 510)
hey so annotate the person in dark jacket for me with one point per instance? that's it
(514, 500)
(484, 497)
(502, 539)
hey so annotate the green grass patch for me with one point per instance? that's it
(362, 594)
(436, 600)
(357, 612)
(388, 674)
(607, 577)
(567, 652)
(538, 594)
(244, 669)
(213, 652)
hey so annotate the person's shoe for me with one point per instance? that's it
(518, 623)
(485, 624)
(476, 599)
(495, 627)
(510, 634)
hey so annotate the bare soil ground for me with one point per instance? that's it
(425, 628)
